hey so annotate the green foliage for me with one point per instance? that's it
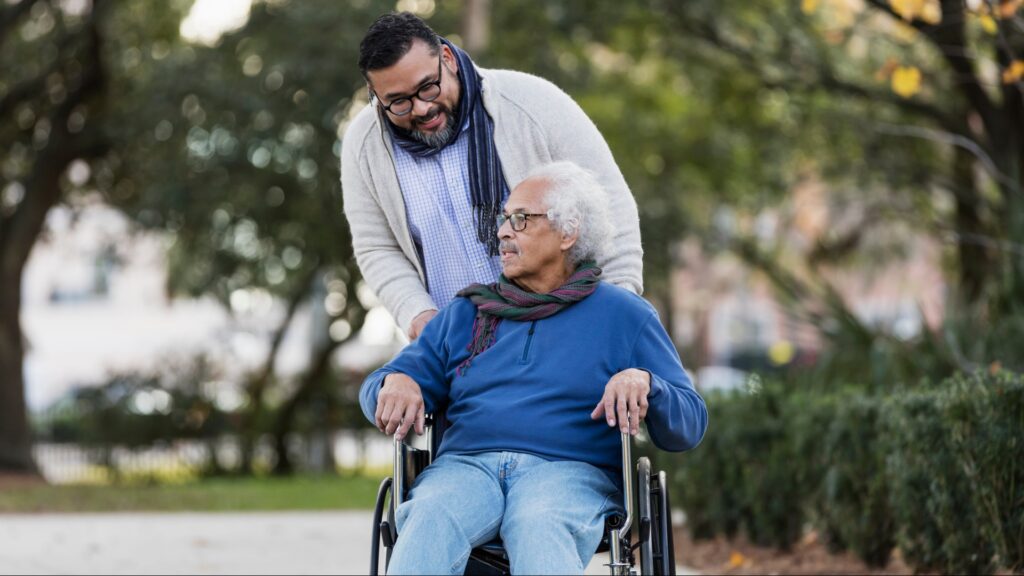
(136, 410)
(856, 491)
(218, 494)
(957, 473)
(935, 470)
(707, 482)
(742, 476)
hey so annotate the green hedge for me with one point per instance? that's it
(937, 471)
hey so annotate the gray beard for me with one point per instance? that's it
(439, 138)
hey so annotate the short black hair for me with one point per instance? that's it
(390, 37)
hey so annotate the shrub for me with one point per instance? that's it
(937, 470)
(957, 469)
(742, 475)
(707, 481)
(855, 499)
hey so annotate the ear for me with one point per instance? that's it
(449, 59)
(569, 240)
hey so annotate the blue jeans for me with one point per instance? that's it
(550, 515)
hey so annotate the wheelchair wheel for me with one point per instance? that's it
(643, 496)
(661, 527)
(657, 555)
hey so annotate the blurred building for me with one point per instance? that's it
(728, 319)
(95, 304)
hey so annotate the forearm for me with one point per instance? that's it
(369, 391)
(676, 416)
(385, 267)
(395, 282)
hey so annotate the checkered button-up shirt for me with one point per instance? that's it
(442, 220)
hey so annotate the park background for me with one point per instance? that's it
(832, 217)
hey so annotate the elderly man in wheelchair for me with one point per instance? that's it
(542, 377)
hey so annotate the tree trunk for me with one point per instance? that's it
(285, 419)
(15, 435)
(476, 26)
(20, 229)
(972, 254)
(257, 385)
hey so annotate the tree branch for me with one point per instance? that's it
(824, 78)
(949, 38)
(29, 88)
(11, 15)
(959, 140)
(43, 188)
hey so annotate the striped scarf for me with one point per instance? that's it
(503, 299)
(487, 187)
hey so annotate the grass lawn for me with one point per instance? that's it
(221, 494)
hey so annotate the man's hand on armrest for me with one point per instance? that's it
(399, 405)
(627, 391)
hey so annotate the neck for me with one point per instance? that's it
(547, 281)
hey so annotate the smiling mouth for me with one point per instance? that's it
(431, 121)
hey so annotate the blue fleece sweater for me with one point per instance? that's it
(533, 390)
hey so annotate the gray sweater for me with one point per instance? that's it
(534, 123)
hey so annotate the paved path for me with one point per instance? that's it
(191, 543)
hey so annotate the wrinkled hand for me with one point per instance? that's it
(399, 405)
(626, 391)
(419, 323)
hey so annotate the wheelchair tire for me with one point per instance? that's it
(383, 494)
(644, 516)
(661, 527)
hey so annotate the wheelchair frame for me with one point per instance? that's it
(650, 507)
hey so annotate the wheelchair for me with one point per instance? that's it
(646, 500)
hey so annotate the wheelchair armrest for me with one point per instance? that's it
(408, 461)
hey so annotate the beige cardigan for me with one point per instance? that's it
(534, 123)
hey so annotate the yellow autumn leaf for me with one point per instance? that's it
(906, 81)
(907, 9)
(809, 6)
(931, 12)
(988, 23)
(1014, 72)
(1007, 8)
(736, 560)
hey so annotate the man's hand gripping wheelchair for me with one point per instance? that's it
(650, 508)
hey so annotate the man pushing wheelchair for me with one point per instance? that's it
(536, 375)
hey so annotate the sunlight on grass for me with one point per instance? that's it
(219, 494)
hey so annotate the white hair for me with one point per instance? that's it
(576, 202)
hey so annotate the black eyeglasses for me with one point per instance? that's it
(426, 93)
(517, 220)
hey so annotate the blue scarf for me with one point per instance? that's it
(487, 187)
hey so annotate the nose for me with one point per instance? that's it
(505, 231)
(420, 108)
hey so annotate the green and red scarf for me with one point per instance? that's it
(503, 299)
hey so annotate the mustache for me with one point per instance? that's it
(508, 246)
(430, 115)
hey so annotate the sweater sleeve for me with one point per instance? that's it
(575, 137)
(425, 360)
(676, 416)
(385, 267)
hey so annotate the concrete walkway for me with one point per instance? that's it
(192, 543)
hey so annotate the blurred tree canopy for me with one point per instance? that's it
(910, 110)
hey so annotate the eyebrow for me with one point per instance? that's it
(397, 95)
